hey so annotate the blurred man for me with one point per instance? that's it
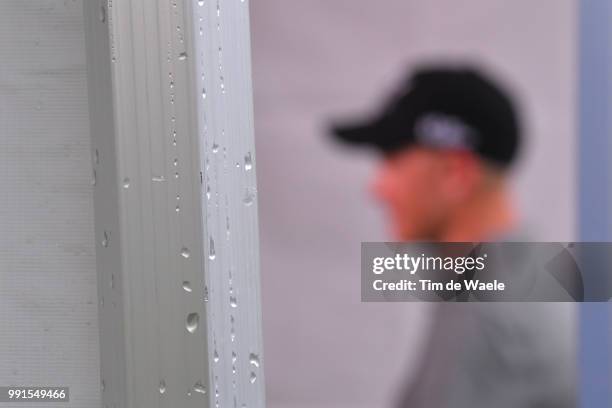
(448, 138)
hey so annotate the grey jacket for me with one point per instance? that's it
(498, 355)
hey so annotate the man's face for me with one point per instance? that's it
(419, 188)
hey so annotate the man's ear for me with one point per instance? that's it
(462, 173)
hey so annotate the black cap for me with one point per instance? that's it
(447, 109)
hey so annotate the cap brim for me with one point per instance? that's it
(376, 134)
(363, 133)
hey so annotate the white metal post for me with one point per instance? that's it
(175, 203)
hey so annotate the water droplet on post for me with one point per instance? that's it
(249, 198)
(193, 319)
(254, 359)
(248, 162)
(185, 253)
(199, 388)
(211, 250)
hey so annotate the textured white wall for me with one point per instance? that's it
(48, 315)
(315, 60)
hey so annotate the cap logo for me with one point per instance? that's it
(444, 131)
